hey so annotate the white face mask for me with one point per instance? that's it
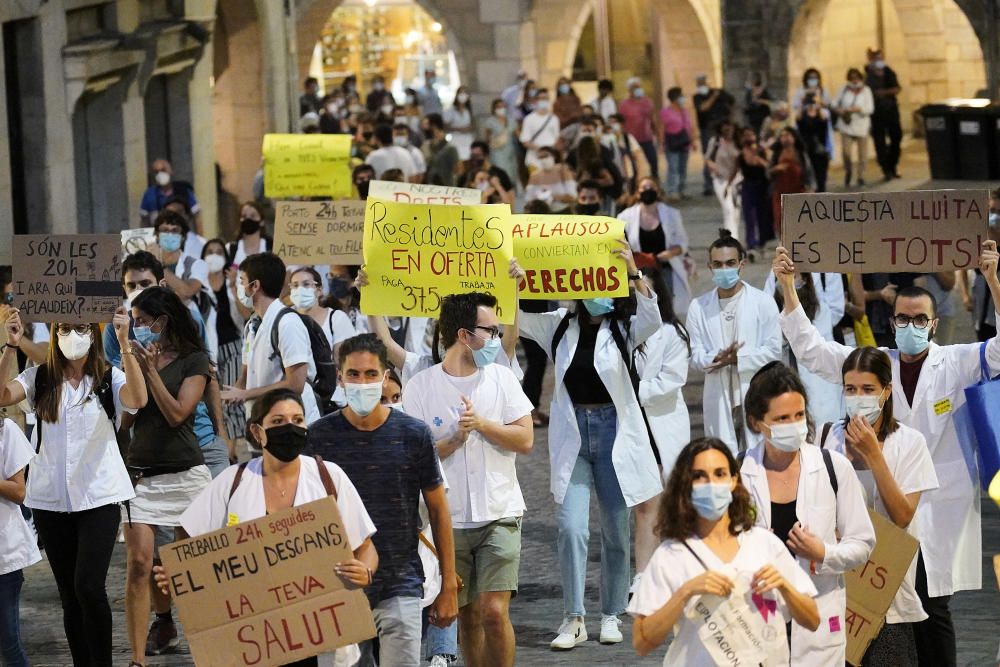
(303, 297)
(547, 163)
(387, 109)
(501, 111)
(162, 178)
(215, 263)
(462, 98)
(364, 397)
(74, 345)
(543, 105)
(401, 141)
(244, 298)
(868, 407)
(789, 437)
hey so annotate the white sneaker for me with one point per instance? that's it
(610, 633)
(571, 633)
(440, 661)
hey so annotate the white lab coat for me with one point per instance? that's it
(950, 513)
(631, 454)
(826, 399)
(826, 515)
(675, 234)
(757, 328)
(663, 369)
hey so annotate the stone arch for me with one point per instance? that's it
(931, 44)
(691, 32)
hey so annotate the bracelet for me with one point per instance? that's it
(13, 347)
(635, 276)
(124, 352)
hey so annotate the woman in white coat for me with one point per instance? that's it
(894, 468)
(812, 500)
(657, 230)
(597, 438)
(734, 331)
(662, 365)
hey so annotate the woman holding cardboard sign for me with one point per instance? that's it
(811, 500)
(711, 549)
(280, 479)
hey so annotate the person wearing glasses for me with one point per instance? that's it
(928, 381)
(480, 419)
(598, 439)
(78, 477)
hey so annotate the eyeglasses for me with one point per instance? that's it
(494, 332)
(920, 321)
(66, 329)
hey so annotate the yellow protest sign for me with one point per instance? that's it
(569, 256)
(415, 254)
(307, 165)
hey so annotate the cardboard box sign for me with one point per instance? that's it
(264, 592)
(75, 279)
(922, 231)
(319, 232)
(872, 586)
(423, 193)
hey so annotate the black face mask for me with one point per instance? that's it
(340, 288)
(363, 189)
(587, 209)
(647, 196)
(249, 226)
(286, 442)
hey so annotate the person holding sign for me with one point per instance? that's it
(930, 380)
(78, 477)
(810, 500)
(895, 468)
(281, 478)
(734, 332)
(711, 549)
(597, 438)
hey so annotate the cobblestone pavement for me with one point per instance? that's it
(537, 610)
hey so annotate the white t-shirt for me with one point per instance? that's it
(420, 362)
(294, 349)
(214, 509)
(18, 548)
(727, 316)
(906, 454)
(541, 130)
(241, 252)
(199, 269)
(419, 163)
(338, 327)
(391, 157)
(483, 477)
(78, 466)
(672, 565)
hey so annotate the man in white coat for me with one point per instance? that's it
(734, 332)
(932, 379)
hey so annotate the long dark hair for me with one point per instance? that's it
(807, 296)
(677, 518)
(800, 147)
(95, 365)
(665, 302)
(875, 361)
(771, 381)
(180, 333)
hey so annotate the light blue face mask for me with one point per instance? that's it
(994, 219)
(487, 354)
(911, 340)
(170, 242)
(726, 278)
(145, 335)
(711, 500)
(600, 306)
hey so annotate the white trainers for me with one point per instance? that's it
(440, 661)
(610, 632)
(571, 633)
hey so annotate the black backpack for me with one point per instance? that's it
(325, 382)
(103, 391)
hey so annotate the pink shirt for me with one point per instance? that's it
(675, 120)
(638, 115)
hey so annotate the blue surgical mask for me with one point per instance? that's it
(487, 354)
(145, 335)
(599, 306)
(726, 278)
(170, 242)
(994, 219)
(911, 340)
(711, 500)
(363, 397)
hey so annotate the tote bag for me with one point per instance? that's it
(982, 400)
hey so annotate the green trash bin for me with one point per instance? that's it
(939, 132)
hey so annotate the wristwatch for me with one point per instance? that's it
(635, 276)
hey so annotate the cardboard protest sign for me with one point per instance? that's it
(415, 254)
(264, 592)
(319, 232)
(744, 628)
(307, 165)
(421, 193)
(871, 587)
(921, 231)
(569, 256)
(134, 240)
(76, 279)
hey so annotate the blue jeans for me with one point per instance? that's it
(594, 468)
(216, 456)
(441, 641)
(677, 164)
(398, 623)
(11, 651)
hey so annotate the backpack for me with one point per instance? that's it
(325, 382)
(103, 391)
(203, 299)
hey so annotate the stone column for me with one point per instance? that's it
(60, 176)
